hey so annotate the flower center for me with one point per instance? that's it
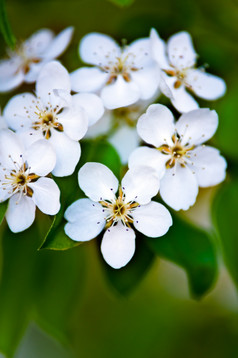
(121, 66)
(118, 210)
(47, 121)
(179, 74)
(177, 152)
(17, 180)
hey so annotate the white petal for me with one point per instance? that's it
(74, 121)
(9, 67)
(67, 153)
(92, 105)
(181, 99)
(152, 220)
(120, 93)
(156, 126)
(20, 213)
(98, 49)
(37, 44)
(140, 184)
(139, 51)
(125, 140)
(10, 83)
(52, 76)
(34, 70)
(197, 126)
(97, 181)
(118, 245)
(46, 195)
(86, 220)
(30, 136)
(11, 149)
(180, 50)
(179, 188)
(147, 79)
(144, 156)
(41, 158)
(205, 85)
(209, 166)
(158, 48)
(88, 79)
(59, 44)
(101, 127)
(16, 114)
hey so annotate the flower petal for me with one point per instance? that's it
(41, 158)
(180, 50)
(74, 121)
(156, 126)
(120, 93)
(67, 153)
(20, 213)
(179, 188)
(140, 184)
(88, 79)
(118, 245)
(158, 47)
(130, 139)
(46, 195)
(102, 127)
(209, 166)
(11, 149)
(36, 45)
(59, 44)
(17, 110)
(98, 49)
(92, 105)
(181, 99)
(147, 79)
(97, 181)
(86, 220)
(52, 76)
(152, 220)
(9, 83)
(140, 53)
(196, 127)
(144, 156)
(205, 85)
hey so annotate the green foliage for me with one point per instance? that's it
(3, 209)
(126, 279)
(92, 151)
(122, 3)
(5, 26)
(192, 249)
(225, 215)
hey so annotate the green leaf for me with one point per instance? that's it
(192, 249)
(3, 209)
(122, 3)
(5, 26)
(127, 278)
(225, 214)
(92, 151)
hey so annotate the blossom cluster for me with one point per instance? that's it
(116, 96)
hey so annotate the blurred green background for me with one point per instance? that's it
(60, 304)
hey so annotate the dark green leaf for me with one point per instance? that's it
(192, 249)
(5, 26)
(3, 209)
(225, 214)
(126, 279)
(92, 151)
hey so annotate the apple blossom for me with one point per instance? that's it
(26, 61)
(23, 181)
(122, 76)
(178, 61)
(104, 209)
(182, 161)
(54, 115)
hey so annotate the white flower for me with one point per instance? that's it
(26, 61)
(23, 182)
(3, 124)
(133, 205)
(55, 115)
(178, 61)
(121, 75)
(181, 160)
(119, 126)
